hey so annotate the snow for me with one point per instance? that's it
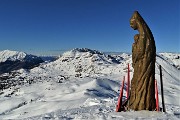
(84, 84)
(172, 58)
(11, 55)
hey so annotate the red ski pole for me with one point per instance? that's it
(157, 99)
(119, 104)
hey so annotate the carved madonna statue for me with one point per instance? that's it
(142, 94)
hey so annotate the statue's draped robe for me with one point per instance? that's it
(142, 95)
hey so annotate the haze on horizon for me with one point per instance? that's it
(45, 25)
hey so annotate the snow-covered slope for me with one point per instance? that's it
(81, 84)
(172, 58)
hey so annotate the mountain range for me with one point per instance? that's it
(80, 84)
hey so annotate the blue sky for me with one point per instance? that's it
(53, 25)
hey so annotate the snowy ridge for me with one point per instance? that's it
(172, 58)
(88, 53)
(79, 63)
(82, 84)
(11, 55)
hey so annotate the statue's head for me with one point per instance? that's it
(133, 22)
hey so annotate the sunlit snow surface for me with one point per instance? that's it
(84, 84)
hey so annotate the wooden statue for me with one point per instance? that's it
(142, 94)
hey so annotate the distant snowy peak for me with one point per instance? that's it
(14, 60)
(11, 55)
(86, 53)
(80, 51)
(86, 50)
